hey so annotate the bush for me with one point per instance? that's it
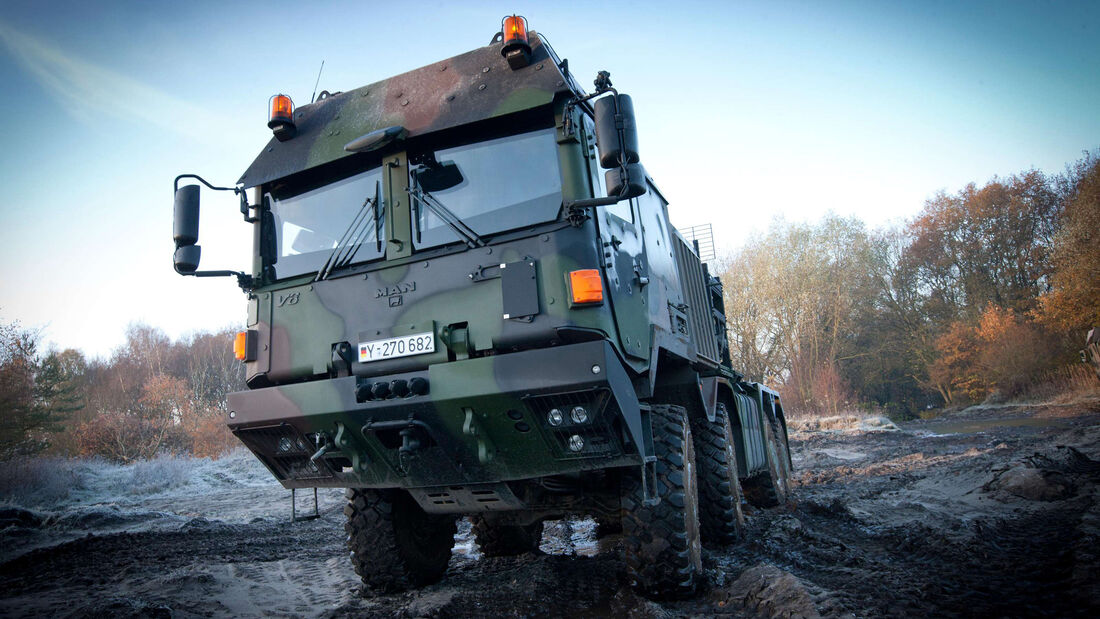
(37, 481)
(159, 474)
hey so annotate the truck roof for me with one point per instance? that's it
(460, 90)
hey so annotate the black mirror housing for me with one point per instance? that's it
(612, 145)
(185, 225)
(439, 177)
(186, 259)
(631, 177)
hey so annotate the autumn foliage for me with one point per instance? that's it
(152, 396)
(986, 293)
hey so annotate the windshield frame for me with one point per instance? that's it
(279, 196)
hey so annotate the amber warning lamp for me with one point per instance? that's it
(517, 47)
(280, 117)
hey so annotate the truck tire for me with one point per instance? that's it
(661, 542)
(721, 519)
(771, 488)
(506, 540)
(394, 544)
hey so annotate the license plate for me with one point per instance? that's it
(391, 348)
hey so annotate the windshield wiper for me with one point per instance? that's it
(460, 228)
(353, 236)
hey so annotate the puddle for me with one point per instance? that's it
(979, 426)
(842, 454)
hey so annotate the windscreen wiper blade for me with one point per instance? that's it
(353, 236)
(471, 238)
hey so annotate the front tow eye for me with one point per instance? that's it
(411, 440)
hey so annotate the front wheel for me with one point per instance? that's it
(394, 544)
(661, 542)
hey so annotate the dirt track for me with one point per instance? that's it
(988, 512)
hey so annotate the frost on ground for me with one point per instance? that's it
(992, 512)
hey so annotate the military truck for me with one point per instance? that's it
(467, 300)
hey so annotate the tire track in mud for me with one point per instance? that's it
(988, 558)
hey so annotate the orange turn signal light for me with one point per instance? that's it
(244, 346)
(586, 286)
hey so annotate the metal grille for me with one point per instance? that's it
(598, 432)
(700, 322)
(285, 451)
(703, 236)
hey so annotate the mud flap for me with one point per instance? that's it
(649, 482)
(649, 460)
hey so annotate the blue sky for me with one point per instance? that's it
(746, 111)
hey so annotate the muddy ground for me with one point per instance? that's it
(990, 511)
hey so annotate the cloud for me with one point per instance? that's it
(87, 90)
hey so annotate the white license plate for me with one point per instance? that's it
(391, 348)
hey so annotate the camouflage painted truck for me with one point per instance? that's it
(466, 299)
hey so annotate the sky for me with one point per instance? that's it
(747, 111)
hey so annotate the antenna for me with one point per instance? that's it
(314, 95)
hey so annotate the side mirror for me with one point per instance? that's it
(185, 229)
(631, 177)
(439, 177)
(616, 132)
(186, 259)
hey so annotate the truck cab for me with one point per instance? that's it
(467, 299)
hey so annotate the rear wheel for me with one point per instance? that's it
(772, 488)
(721, 519)
(505, 540)
(394, 544)
(661, 542)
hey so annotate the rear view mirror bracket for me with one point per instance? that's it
(186, 229)
(625, 176)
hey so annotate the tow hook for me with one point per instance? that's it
(326, 444)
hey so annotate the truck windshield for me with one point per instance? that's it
(308, 225)
(490, 186)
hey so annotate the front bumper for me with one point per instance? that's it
(481, 421)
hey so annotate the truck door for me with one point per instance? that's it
(624, 261)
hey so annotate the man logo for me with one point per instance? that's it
(396, 290)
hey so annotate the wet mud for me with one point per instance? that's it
(974, 514)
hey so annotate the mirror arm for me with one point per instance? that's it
(590, 202)
(240, 191)
(244, 280)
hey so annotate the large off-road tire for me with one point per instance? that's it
(394, 544)
(771, 488)
(661, 542)
(721, 519)
(506, 540)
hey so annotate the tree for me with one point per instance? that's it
(1073, 303)
(795, 299)
(36, 394)
(988, 245)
